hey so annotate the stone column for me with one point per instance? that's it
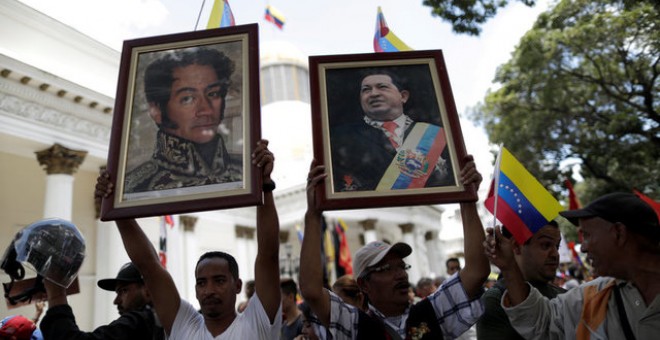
(242, 251)
(407, 230)
(369, 226)
(190, 255)
(175, 250)
(251, 241)
(435, 262)
(60, 164)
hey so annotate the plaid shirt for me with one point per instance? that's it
(454, 311)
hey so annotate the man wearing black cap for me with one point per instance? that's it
(622, 240)
(382, 276)
(137, 320)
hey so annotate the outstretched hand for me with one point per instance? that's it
(264, 159)
(314, 179)
(499, 249)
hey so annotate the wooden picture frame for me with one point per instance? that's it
(365, 169)
(182, 134)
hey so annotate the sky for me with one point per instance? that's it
(318, 27)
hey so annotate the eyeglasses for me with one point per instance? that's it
(388, 268)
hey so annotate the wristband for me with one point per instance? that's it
(268, 186)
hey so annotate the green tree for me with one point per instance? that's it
(583, 84)
(466, 16)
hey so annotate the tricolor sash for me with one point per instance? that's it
(415, 160)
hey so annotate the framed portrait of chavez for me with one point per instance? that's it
(186, 120)
(386, 128)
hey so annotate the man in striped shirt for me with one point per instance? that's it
(381, 274)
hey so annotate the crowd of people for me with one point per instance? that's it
(621, 238)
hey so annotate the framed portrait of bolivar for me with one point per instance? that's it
(386, 128)
(186, 119)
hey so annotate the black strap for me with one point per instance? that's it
(622, 314)
(393, 334)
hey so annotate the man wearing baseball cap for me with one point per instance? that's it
(381, 274)
(137, 319)
(622, 240)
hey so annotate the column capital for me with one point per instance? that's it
(407, 227)
(244, 232)
(60, 160)
(368, 224)
(188, 222)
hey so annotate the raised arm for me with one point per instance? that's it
(266, 267)
(476, 269)
(160, 284)
(311, 268)
(499, 250)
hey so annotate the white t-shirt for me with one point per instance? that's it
(253, 323)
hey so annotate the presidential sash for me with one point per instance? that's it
(415, 160)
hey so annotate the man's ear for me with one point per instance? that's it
(621, 233)
(155, 113)
(517, 249)
(404, 96)
(239, 286)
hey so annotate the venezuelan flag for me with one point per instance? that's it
(274, 16)
(221, 15)
(384, 39)
(523, 205)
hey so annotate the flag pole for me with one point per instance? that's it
(496, 185)
(199, 15)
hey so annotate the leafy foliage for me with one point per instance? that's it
(583, 85)
(466, 16)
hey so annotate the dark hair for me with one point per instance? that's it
(289, 287)
(425, 281)
(158, 76)
(506, 233)
(249, 288)
(306, 311)
(397, 80)
(233, 266)
(347, 285)
(452, 259)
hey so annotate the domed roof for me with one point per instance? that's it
(281, 52)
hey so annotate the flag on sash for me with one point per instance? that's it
(415, 160)
(165, 221)
(518, 200)
(384, 39)
(221, 15)
(274, 16)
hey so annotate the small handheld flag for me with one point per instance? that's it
(274, 16)
(518, 200)
(655, 205)
(221, 15)
(384, 39)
